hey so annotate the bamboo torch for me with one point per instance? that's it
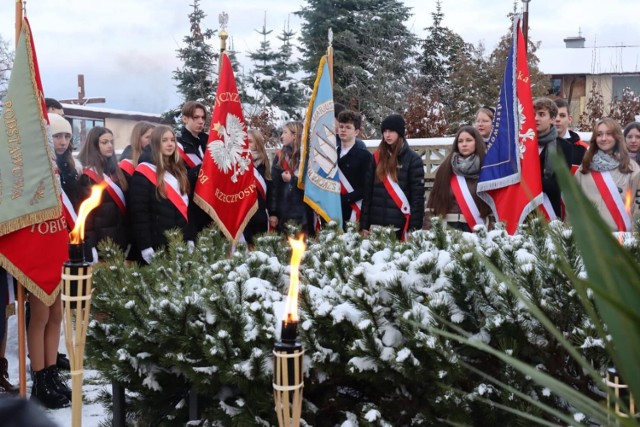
(76, 301)
(288, 352)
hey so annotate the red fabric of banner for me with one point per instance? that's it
(226, 188)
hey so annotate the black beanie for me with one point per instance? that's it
(393, 122)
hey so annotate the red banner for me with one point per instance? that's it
(34, 255)
(226, 188)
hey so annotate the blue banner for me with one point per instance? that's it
(318, 175)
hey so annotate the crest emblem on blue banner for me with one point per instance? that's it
(318, 174)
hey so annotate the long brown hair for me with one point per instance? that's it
(440, 196)
(172, 164)
(620, 151)
(136, 133)
(90, 156)
(292, 153)
(260, 147)
(388, 159)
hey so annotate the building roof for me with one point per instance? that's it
(90, 112)
(590, 60)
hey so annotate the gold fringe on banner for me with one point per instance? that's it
(202, 203)
(29, 284)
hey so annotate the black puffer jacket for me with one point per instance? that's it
(152, 216)
(259, 223)
(287, 200)
(106, 220)
(378, 208)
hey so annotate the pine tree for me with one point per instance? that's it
(195, 80)
(288, 91)
(205, 321)
(442, 51)
(261, 77)
(372, 52)
(470, 84)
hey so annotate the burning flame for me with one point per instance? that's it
(77, 234)
(291, 307)
(628, 200)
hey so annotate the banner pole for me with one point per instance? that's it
(22, 353)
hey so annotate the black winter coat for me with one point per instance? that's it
(191, 144)
(106, 220)
(259, 223)
(152, 215)
(378, 208)
(69, 179)
(356, 167)
(572, 154)
(287, 200)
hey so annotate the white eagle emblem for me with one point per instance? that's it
(229, 152)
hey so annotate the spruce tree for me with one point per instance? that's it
(261, 76)
(288, 91)
(195, 80)
(442, 51)
(372, 52)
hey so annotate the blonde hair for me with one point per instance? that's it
(172, 164)
(258, 138)
(292, 154)
(136, 133)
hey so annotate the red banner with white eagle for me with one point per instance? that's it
(226, 188)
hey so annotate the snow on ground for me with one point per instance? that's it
(92, 413)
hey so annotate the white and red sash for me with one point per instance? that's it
(192, 160)
(261, 184)
(612, 199)
(346, 188)
(399, 198)
(112, 188)
(179, 200)
(465, 201)
(68, 211)
(127, 166)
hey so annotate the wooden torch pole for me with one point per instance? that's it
(22, 351)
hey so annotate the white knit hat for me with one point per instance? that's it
(58, 124)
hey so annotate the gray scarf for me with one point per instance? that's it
(465, 166)
(548, 142)
(602, 162)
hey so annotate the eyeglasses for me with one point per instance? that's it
(62, 135)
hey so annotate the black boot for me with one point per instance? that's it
(46, 394)
(56, 382)
(62, 362)
(4, 378)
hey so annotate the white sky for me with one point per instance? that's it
(126, 49)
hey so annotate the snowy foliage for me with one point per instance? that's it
(208, 321)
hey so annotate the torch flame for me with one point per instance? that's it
(291, 306)
(77, 234)
(628, 200)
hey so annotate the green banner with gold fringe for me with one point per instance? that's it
(29, 192)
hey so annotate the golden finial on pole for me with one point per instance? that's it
(223, 19)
